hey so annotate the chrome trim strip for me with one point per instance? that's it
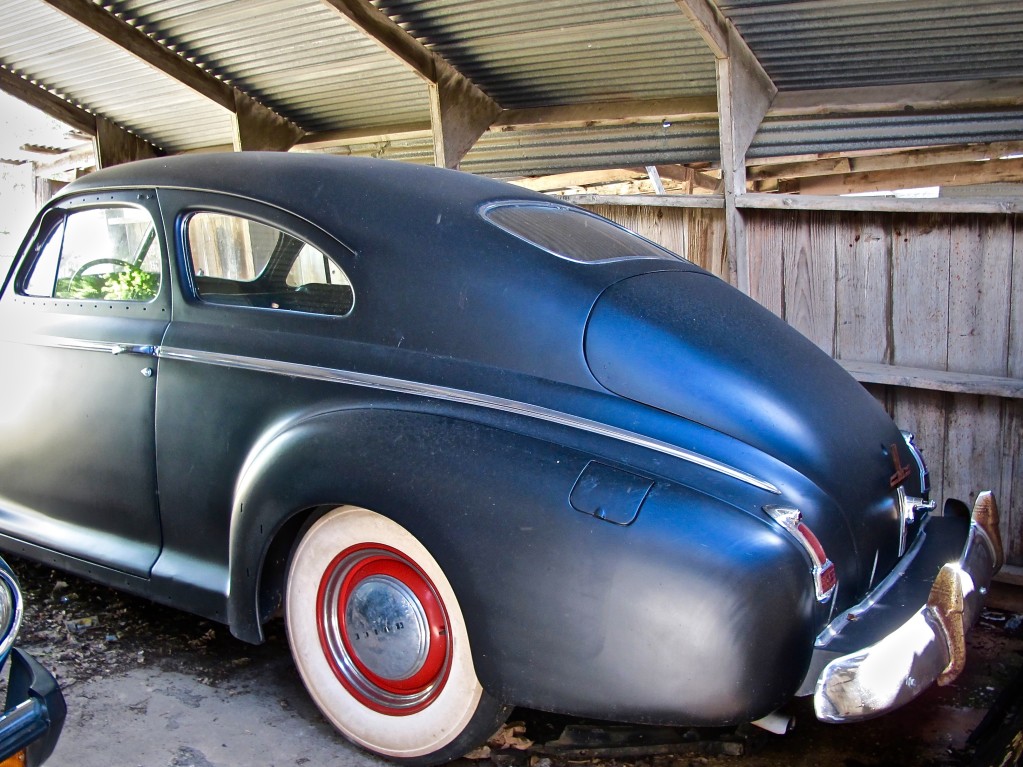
(460, 396)
(79, 344)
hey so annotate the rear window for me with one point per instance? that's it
(571, 233)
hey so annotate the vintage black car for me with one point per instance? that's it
(484, 448)
(34, 710)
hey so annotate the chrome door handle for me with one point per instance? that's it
(147, 349)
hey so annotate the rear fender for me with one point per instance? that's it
(672, 612)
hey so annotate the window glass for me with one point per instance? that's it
(241, 262)
(106, 254)
(572, 234)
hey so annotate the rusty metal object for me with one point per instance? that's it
(985, 514)
(946, 601)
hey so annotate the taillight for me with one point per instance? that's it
(825, 577)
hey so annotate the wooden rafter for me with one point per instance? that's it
(256, 126)
(460, 111)
(46, 102)
(141, 46)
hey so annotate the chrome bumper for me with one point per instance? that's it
(929, 647)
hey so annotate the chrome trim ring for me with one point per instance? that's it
(11, 611)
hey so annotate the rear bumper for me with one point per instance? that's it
(870, 668)
(34, 713)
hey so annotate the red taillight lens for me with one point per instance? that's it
(825, 577)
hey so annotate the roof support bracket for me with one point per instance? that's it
(259, 128)
(459, 111)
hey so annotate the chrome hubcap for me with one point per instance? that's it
(383, 629)
(386, 627)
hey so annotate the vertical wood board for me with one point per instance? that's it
(980, 280)
(863, 292)
(766, 236)
(921, 253)
(809, 279)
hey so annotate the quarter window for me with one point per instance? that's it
(571, 233)
(104, 254)
(241, 262)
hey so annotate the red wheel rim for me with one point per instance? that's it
(383, 629)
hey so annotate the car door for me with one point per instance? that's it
(81, 315)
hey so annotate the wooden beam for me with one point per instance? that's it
(998, 207)
(379, 134)
(688, 175)
(649, 201)
(46, 102)
(712, 25)
(459, 110)
(380, 28)
(953, 174)
(934, 380)
(146, 49)
(255, 126)
(609, 113)
(112, 143)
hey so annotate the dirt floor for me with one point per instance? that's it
(151, 686)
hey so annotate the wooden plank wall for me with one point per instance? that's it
(936, 291)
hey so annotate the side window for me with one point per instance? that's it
(103, 254)
(241, 262)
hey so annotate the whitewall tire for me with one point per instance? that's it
(379, 640)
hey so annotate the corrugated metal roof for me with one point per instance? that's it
(509, 154)
(47, 47)
(299, 58)
(813, 44)
(311, 65)
(526, 53)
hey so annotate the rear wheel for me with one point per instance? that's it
(380, 642)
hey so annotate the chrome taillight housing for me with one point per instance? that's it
(825, 577)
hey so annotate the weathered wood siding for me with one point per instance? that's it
(939, 292)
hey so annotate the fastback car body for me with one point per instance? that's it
(486, 448)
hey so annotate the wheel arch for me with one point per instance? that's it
(383, 460)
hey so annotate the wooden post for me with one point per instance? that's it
(745, 93)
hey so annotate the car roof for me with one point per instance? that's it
(307, 183)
